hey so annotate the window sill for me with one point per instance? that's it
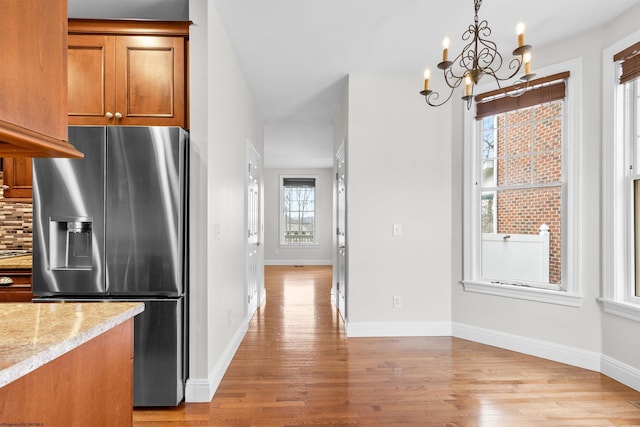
(526, 293)
(622, 309)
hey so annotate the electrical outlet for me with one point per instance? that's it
(397, 301)
(397, 229)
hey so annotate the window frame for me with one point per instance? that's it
(571, 294)
(618, 284)
(281, 239)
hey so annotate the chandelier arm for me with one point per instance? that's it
(516, 89)
(488, 54)
(450, 76)
(515, 65)
(433, 96)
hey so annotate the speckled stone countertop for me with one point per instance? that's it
(32, 334)
(19, 262)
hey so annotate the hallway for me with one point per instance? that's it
(296, 367)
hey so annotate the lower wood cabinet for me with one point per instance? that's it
(91, 385)
(16, 293)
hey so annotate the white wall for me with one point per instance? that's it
(573, 335)
(172, 10)
(307, 255)
(619, 335)
(223, 118)
(298, 145)
(399, 171)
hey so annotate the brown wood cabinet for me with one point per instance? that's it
(16, 176)
(127, 72)
(33, 79)
(91, 385)
(18, 269)
(120, 72)
(20, 290)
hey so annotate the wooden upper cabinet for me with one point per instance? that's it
(91, 79)
(33, 79)
(17, 179)
(127, 72)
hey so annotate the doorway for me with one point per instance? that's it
(341, 229)
(255, 230)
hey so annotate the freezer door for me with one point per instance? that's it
(158, 361)
(145, 210)
(68, 218)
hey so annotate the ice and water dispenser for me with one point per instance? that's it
(70, 243)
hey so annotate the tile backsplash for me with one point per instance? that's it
(16, 224)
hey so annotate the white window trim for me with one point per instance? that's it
(572, 294)
(616, 269)
(316, 240)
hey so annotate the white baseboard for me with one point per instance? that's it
(198, 390)
(627, 375)
(398, 329)
(203, 389)
(298, 262)
(534, 347)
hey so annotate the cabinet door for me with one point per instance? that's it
(17, 178)
(33, 69)
(91, 80)
(150, 80)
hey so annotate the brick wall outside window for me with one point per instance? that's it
(528, 150)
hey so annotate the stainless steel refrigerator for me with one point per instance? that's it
(113, 226)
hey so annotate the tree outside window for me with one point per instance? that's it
(298, 221)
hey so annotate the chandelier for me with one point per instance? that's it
(478, 58)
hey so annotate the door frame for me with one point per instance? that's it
(254, 157)
(340, 299)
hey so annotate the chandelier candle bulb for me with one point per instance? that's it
(427, 76)
(527, 62)
(520, 32)
(445, 48)
(467, 89)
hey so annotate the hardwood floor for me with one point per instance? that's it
(296, 367)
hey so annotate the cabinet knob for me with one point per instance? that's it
(118, 115)
(5, 187)
(109, 115)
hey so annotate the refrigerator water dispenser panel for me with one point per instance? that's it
(70, 243)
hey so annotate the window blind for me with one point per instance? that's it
(630, 58)
(544, 89)
(299, 182)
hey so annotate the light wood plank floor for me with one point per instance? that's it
(296, 367)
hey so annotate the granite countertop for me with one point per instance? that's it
(32, 334)
(18, 262)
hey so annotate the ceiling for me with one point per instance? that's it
(297, 54)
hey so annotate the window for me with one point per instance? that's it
(621, 175)
(298, 202)
(520, 193)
